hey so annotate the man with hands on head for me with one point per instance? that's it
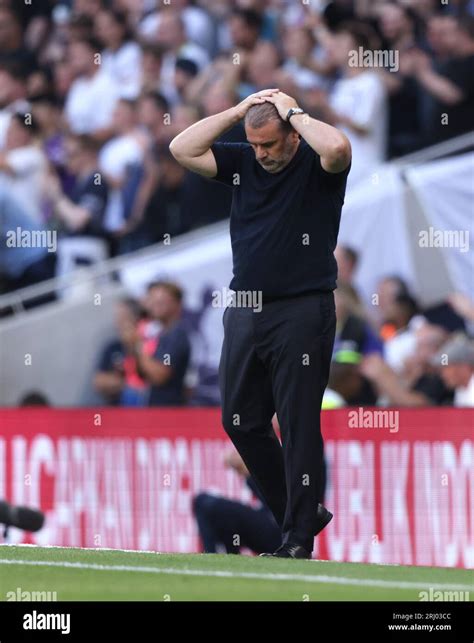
(288, 185)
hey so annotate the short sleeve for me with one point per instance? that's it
(332, 179)
(228, 160)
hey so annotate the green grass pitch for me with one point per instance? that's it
(99, 574)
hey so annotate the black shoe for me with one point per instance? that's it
(287, 550)
(324, 517)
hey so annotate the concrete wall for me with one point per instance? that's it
(54, 349)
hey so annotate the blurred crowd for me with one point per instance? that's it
(390, 353)
(92, 92)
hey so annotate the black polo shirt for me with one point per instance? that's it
(283, 226)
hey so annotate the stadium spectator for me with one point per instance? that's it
(121, 58)
(227, 526)
(23, 164)
(388, 289)
(398, 27)
(46, 110)
(347, 385)
(81, 214)
(77, 59)
(166, 212)
(93, 94)
(116, 379)
(351, 326)
(416, 383)
(185, 71)
(21, 265)
(448, 81)
(244, 27)
(347, 259)
(403, 315)
(165, 370)
(120, 160)
(12, 45)
(303, 68)
(171, 35)
(150, 70)
(197, 22)
(34, 398)
(357, 105)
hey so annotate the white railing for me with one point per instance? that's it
(105, 270)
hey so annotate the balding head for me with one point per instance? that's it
(264, 113)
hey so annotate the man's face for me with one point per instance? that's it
(273, 148)
(161, 304)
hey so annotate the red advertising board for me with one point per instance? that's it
(401, 482)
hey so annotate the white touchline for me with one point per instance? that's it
(331, 580)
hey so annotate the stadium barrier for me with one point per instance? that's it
(401, 482)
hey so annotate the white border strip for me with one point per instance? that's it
(329, 580)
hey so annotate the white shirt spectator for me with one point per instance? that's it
(26, 184)
(124, 67)
(362, 98)
(303, 77)
(114, 159)
(91, 102)
(197, 23)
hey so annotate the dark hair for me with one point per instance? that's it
(252, 18)
(31, 127)
(82, 21)
(259, 115)
(120, 17)
(129, 102)
(91, 42)
(152, 48)
(133, 306)
(188, 66)
(408, 303)
(158, 98)
(47, 97)
(401, 283)
(34, 398)
(170, 286)
(86, 143)
(362, 33)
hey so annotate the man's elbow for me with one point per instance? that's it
(340, 156)
(343, 151)
(175, 150)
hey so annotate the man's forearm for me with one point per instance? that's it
(198, 138)
(323, 138)
(440, 87)
(332, 145)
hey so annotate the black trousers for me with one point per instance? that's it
(278, 360)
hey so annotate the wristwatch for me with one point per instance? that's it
(292, 111)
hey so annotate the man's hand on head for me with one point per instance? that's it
(282, 102)
(254, 99)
